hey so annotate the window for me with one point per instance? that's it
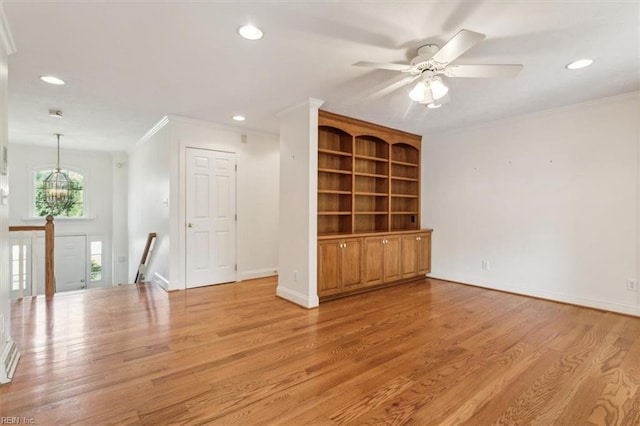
(96, 260)
(40, 207)
(18, 253)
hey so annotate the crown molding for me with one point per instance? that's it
(311, 102)
(155, 129)
(218, 126)
(537, 114)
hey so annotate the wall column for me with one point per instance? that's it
(297, 237)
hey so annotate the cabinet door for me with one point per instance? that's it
(373, 265)
(351, 263)
(409, 255)
(392, 265)
(424, 253)
(328, 268)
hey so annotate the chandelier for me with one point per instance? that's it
(58, 188)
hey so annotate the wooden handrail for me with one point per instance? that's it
(49, 263)
(145, 257)
(26, 228)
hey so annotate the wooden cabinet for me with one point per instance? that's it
(416, 254)
(368, 206)
(381, 259)
(339, 265)
(424, 253)
(351, 265)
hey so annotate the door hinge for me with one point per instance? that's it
(236, 167)
(236, 216)
(236, 266)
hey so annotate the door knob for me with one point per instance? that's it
(189, 225)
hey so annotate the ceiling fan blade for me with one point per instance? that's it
(483, 71)
(459, 43)
(393, 86)
(384, 66)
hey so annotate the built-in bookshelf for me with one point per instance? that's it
(368, 177)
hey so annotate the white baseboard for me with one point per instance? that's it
(606, 305)
(161, 281)
(258, 273)
(297, 298)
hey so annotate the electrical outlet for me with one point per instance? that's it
(632, 285)
(485, 265)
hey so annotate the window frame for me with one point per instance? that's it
(95, 239)
(85, 192)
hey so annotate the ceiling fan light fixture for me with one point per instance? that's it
(580, 63)
(250, 32)
(239, 117)
(418, 93)
(438, 88)
(433, 105)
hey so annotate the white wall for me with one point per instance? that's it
(6, 48)
(119, 198)
(148, 202)
(297, 238)
(257, 195)
(549, 200)
(101, 208)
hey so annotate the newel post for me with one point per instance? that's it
(49, 237)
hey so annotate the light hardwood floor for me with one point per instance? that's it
(427, 352)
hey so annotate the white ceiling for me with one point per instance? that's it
(128, 64)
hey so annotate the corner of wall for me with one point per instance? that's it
(306, 301)
(298, 203)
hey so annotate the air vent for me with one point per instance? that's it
(8, 360)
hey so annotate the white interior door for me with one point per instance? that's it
(70, 255)
(211, 217)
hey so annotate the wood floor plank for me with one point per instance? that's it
(426, 352)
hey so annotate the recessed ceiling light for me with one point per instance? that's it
(250, 32)
(580, 63)
(238, 117)
(434, 106)
(51, 79)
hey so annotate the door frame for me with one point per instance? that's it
(180, 226)
(107, 264)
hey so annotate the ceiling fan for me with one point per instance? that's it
(433, 61)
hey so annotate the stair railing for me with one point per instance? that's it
(49, 274)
